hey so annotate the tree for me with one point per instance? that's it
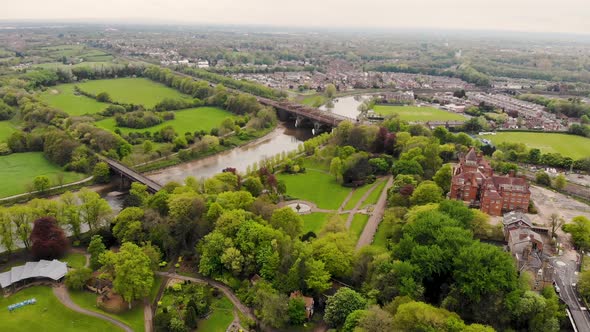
(426, 192)
(559, 182)
(336, 168)
(22, 217)
(101, 172)
(103, 97)
(128, 225)
(556, 222)
(41, 183)
(48, 240)
(191, 319)
(296, 311)
(443, 177)
(419, 316)
(409, 167)
(579, 228)
(341, 305)
(93, 209)
(288, 221)
(318, 278)
(138, 195)
(95, 248)
(70, 213)
(543, 179)
(77, 278)
(330, 90)
(376, 320)
(7, 231)
(253, 185)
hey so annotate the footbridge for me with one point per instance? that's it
(132, 175)
(318, 117)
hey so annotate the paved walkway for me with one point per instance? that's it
(63, 296)
(88, 179)
(358, 205)
(147, 315)
(373, 223)
(312, 205)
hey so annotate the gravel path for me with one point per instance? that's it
(358, 205)
(371, 227)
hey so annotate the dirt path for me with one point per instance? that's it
(356, 208)
(63, 296)
(346, 200)
(371, 227)
(147, 315)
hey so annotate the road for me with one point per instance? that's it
(565, 276)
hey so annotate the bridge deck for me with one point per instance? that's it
(306, 111)
(152, 185)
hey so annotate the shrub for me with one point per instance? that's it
(77, 278)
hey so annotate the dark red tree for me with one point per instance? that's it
(48, 240)
(407, 190)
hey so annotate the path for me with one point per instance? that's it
(360, 203)
(63, 296)
(147, 315)
(371, 227)
(312, 206)
(48, 190)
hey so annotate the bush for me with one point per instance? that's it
(77, 278)
(102, 172)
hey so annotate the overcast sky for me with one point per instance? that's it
(520, 15)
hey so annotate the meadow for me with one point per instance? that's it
(63, 97)
(188, 120)
(18, 170)
(313, 222)
(418, 114)
(315, 186)
(6, 129)
(139, 91)
(48, 314)
(576, 147)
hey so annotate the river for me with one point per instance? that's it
(284, 138)
(345, 106)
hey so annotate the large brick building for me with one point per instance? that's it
(474, 182)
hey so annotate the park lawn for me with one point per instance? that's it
(63, 97)
(138, 91)
(220, 317)
(317, 187)
(356, 196)
(6, 129)
(75, 260)
(374, 196)
(380, 238)
(313, 222)
(575, 147)
(358, 225)
(133, 318)
(188, 120)
(18, 170)
(415, 113)
(47, 315)
(316, 164)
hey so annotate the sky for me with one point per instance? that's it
(569, 16)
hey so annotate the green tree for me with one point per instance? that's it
(148, 146)
(41, 183)
(330, 90)
(336, 250)
(253, 185)
(95, 248)
(443, 177)
(128, 225)
(579, 228)
(101, 172)
(426, 192)
(559, 182)
(543, 179)
(296, 311)
(77, 278)
(103, 97)
(353, 319)
(336, 168)
(288, 221)
(94, 210)
(70, 213)
(7, 231)
(341, 304)
(191, 319)
(408, 167)
(317, 278)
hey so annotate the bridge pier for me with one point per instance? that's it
(298, 121)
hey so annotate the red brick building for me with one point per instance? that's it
(474, 182)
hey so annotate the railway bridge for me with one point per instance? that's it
(131, 175)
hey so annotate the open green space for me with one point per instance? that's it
(188, 120)
(133, 318)
(375, 194)
(18, 170)
(6, 129)
(220, 317)
(155, 287)
(64, 98)
(576, 147)
(139, 91)
(356, 196)
(380, 238)
(74, 260)
(415, 113)
(314, 100)
(313, 222)
(358, 225)
(56, 65)
(47, 315)
(315, 186)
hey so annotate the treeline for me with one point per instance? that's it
(518, 152)
(573, 107)
(140, 119)
(465, 72)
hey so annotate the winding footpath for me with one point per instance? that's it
(63, 296)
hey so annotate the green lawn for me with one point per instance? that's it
(220, 317)
(188, 120)
(380, 239)
(75, 260)
(6, 129)
(139, 91)
(358, 225)
(356, 196)
(19, 169)
(156, 287)
(576, 147)
(313, 222)
(47, 315)
(374, 196)
(415, 113)
(318, 187)
(62, 97)
(314, 100)
(133, 318)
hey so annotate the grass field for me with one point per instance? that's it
(358, 225)
(75, 260)
(155, 287)
(62, 97)
(220, 317)
(314, 100)
(380, 239)
(47, 315)
(356, 196)
(189, 120)
(19, 169)
(6, 129)
(313, 222)
(572, 146)
(133, 317)
(415, 113)
(139, 91)
(318, 187)
(374, 196)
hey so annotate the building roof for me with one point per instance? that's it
(42, 269)
(515, 216)
(471, 155)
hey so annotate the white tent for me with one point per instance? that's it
(54, 270)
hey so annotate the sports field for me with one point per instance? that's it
(139, 91)
(63, 97)
(48, 314)
(415, 113)
(575, 147)
(19, 169)
(189, 120)
(6, 129)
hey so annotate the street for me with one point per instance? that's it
(565, 276)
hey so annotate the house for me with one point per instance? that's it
(475, 183)
(309, 303)
(526, 246)
(515, 220)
